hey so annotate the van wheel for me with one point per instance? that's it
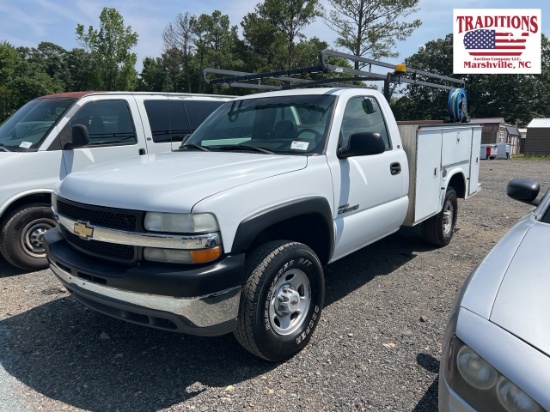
(282, 300)
(22, 238)
(439, 229)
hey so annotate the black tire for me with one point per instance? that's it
(21, 242)
(439, 229)
(277, 313)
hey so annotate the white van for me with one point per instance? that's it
(54, 135)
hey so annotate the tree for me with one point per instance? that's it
(289, 17)
(21, 79)
(216, 41)
(518, 98)
(178, 38)
(80, 65)
(263, 46)
(426, 103)
(370, 28)
(110, 45)
(153, 75)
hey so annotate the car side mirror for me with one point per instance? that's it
(524, 190)
(79, 137)
(363, 144)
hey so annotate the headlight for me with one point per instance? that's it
(481, 385)
(475, 370)
(181, 222)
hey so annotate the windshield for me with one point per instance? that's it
(27, 127)
(294, 124)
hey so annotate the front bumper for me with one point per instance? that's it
(199, 301)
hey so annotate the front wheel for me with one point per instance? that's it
(22, 243)
(439, 229)
(282, 300)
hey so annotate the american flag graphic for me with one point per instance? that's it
(493, 43)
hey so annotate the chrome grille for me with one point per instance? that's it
(119, 219)
(101, 216)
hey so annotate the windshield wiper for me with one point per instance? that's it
(194, 146)
(4, 149)
(245, 147)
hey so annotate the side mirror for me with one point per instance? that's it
(79, 137)
(363, 144)
(524, 190)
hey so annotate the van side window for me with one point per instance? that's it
(363, 114)
(109, 122)
(171, 120)
(168, 120)
(198, 111)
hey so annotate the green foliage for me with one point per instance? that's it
(109, 46)
(370, 28)
(22, 79)
(289, 17)
(271, 39)
(518, 98)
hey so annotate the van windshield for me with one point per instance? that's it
(27, 128)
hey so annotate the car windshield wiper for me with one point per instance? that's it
(4, 149)
(192, 146)
(245, 147)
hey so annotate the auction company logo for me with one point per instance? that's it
(494, 41)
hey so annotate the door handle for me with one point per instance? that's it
(395, 168)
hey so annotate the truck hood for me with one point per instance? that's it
(171, 182)
(522, 304)
(5, 155)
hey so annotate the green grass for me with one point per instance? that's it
(529, 157)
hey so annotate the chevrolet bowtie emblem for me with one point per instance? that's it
(83, 230)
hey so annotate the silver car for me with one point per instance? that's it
(496, 350)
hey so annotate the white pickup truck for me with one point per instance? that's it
(37, 150)
(231, 233)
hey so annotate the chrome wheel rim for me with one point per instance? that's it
(290, 302)
(448, 213)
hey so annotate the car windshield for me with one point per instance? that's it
(27, 128)
(295, 124)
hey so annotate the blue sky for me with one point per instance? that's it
(28, 22)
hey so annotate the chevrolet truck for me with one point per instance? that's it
(231, 232)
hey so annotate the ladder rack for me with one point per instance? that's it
(287, 78)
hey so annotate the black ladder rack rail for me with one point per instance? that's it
(393, 77)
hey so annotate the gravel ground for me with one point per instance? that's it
(376, 348)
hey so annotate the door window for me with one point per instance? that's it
(109, 122)
(363, 114)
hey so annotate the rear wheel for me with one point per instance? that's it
(281, 301)
(22, 240)
(439, 229)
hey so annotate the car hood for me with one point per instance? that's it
(171, 182)
(522, 303)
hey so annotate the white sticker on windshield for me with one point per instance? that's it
(25, 145)
(299, 145)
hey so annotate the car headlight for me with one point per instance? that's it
(481, 385)
(181, 222)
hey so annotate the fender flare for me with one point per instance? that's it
(252, 226)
